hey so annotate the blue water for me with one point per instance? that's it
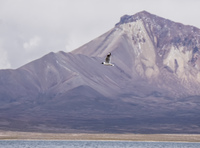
(94, 144)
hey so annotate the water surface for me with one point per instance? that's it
(94, 144)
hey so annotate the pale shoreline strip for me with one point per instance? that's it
(10, 135)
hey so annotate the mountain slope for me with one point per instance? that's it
(154, 48)
(153, 87)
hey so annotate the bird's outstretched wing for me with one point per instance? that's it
(108, 58)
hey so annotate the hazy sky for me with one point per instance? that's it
(30, 29)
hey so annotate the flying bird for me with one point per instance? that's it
(108, 60)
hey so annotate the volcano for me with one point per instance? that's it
(153, 87)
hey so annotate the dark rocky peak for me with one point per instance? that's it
(144, 15)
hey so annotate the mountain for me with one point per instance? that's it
(153, 87)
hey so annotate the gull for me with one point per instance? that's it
(108, 60)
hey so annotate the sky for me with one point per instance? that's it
(29, 29)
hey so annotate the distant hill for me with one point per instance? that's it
(154, 86)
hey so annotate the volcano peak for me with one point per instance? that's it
(131, 18)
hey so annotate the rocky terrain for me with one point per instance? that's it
(153, 87)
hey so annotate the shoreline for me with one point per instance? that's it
(11, 135)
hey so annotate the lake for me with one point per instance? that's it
(93, 144)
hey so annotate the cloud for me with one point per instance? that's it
(4, 62)
(32, 43)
